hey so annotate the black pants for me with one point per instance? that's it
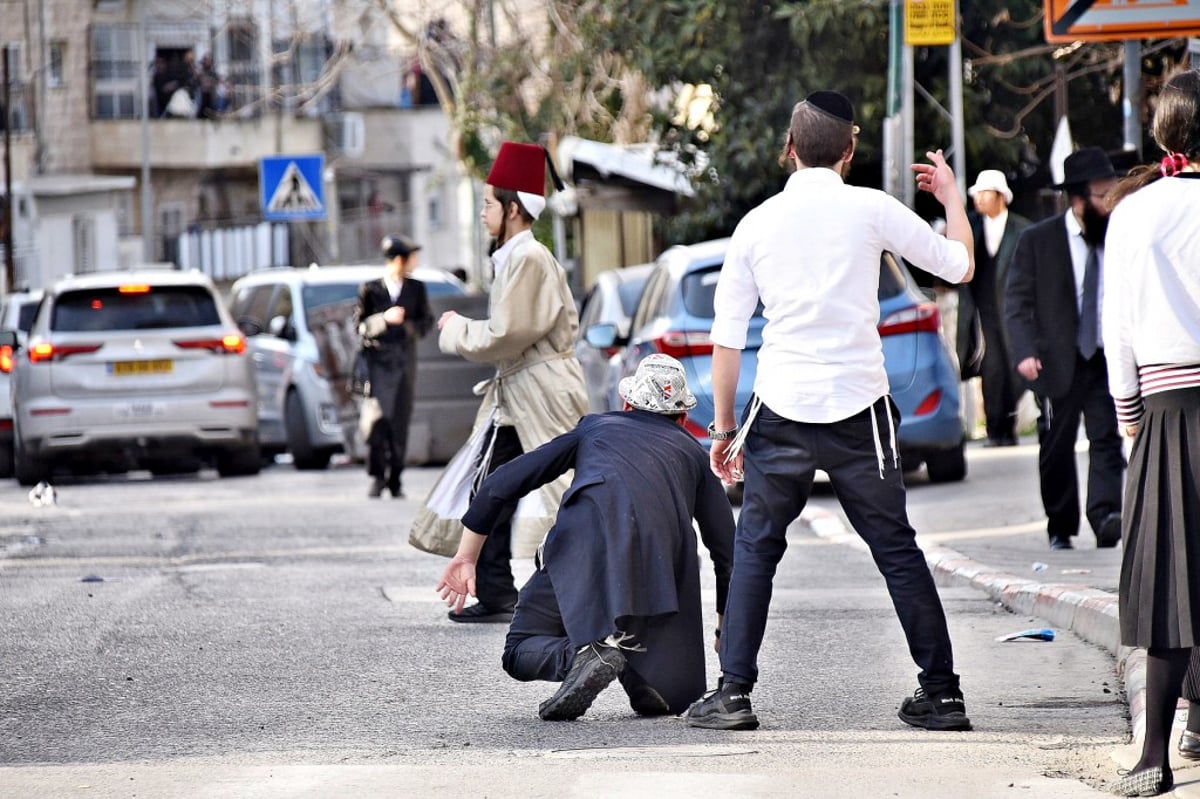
(387, 444)
(780, 461)
(1058, 427)
(537, 646)
(1000, 388)
(494, 584)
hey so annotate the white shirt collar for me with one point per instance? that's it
(393, 286)
(500, 257)
(993, 231)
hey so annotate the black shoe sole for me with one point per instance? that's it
(503, 617)
(738, 720)
(1189, 745)
(574, 697)
(947, 722)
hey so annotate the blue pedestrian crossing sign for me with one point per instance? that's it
(291, 188)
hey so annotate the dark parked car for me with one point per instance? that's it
(675, 315)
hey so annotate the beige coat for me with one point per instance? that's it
(529, 336)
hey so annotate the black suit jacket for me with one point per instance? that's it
(391, 350)
(968, 333)
(1041, 310)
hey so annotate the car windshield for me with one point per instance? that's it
(134, 309)
(25, 314)
(630, 291)
(315, 295)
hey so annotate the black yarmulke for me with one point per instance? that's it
(835, 104)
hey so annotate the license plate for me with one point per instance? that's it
(140, 410)
(126, 368)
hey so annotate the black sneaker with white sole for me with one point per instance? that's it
(946, 711)
(726, 708)
(595, 666)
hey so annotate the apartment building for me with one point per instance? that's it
(144, 123)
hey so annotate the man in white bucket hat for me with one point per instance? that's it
(982, 338)
(616, 594)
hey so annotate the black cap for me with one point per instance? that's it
(834, 104)
(398, 245)
(1083, 166)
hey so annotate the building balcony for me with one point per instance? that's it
(201, 143)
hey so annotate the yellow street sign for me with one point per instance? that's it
(929, 23)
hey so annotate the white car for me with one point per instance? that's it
(132, 369)
(298, 322)
(16, 315)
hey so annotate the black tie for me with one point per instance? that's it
(1088, 320)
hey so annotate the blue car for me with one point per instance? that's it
(675, 315)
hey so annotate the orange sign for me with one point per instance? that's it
(1108, 20)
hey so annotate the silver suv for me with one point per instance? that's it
(298, 324)
(132, 369)
(16, 315)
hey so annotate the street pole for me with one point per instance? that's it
(957, 136)
(895, 83)
(147, 200)
(1132, 105)
(10, 269)
(906, 153)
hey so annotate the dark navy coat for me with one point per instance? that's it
(623, 554)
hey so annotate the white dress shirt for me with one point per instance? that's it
(993, 231)
(812, 254)
(1079, 253)
(393, 286)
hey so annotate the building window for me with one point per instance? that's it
(58, 56)
(245, 82)
(115, 78)
(84, 233)
(16, 117)
(435, 212)
(170, 226)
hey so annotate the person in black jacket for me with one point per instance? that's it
(1052, 312)
(392, 314)
(617, 589)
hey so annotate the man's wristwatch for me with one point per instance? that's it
(718, 436)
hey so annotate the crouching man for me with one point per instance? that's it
(617, 591)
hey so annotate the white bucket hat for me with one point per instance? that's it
(658, 386)
(991, 180)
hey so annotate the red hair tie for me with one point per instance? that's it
(1173, 164)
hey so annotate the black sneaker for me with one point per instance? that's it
(726, 708)
(644, 700)
(595, 666)
(946, 711)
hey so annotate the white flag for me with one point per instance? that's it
(1062, 147)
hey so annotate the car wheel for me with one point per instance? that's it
(947, 466)
(6, 460)
(28, 470)
(240, 462)
(304, 455)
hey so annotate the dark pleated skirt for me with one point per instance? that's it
(1160, 572)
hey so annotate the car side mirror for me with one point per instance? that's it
(281, 327)
(601, 336)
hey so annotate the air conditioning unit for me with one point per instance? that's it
(349, 134)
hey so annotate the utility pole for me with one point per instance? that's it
(10, 270)
(1132, 106)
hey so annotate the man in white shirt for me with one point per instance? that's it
(811, 253)
(981, 307)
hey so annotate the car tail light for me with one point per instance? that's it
(930, 403)
(921, 318)
(6, 359)
(684, 343)
(233, 344)
(47, 351)
(695, 429)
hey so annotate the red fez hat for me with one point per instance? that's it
(519, 167)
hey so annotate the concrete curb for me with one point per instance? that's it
(1088, 612)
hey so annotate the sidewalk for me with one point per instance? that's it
(1073, 590)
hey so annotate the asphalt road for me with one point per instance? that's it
(276, 636)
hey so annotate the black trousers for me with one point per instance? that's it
(537, 646)
(495, 586)
(1058, 428)
(387, 443)
(1000, 387)
(781, 457)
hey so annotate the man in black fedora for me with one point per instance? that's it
(1053, 318)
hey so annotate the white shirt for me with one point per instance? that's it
(1152, 283)
(500, 256)
(993, 231)
(393, 286)
(812, 254)
(1079, 254)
